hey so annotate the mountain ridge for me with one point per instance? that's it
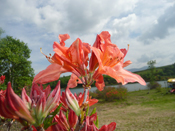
(138, 69)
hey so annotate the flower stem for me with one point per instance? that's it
(85, 95)
(40, 128)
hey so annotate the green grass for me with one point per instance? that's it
(161, 100)
(140, 112)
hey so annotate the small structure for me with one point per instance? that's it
(171, 84)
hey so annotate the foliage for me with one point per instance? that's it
(152, 73)
(64, 80)
(48, 120)
(162, 73)
(109, 80)
(1, 31)
(2, 87)
(14, 63)
(111, 93)
(159, 88)
(154, 85)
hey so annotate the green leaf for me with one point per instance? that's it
(67, 114)
(48, 121)
(96, 123)
(56, 110)
(93, 111)
(87, 110)
(82, 116)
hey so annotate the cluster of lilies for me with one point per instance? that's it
(55, 111)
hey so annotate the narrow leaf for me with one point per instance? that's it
(96, 123)
(48, 121)
(56, 110)
(87, 110)
(93, 111)
(67, 114)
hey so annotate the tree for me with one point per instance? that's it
(1, 31)
(152, 74)
(151, 66)
(14, 63)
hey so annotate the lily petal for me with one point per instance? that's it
(47, 91)
(41, 105)
(92, 118)
(123, 76)
(100, 82)
(63, 38)
(73, 81)
(16, 105)
(58, 127)
(26, 99)
(110, 127)
(72, 119)
(4, 110)
(53, 99)
(126, 63)
(51, 73)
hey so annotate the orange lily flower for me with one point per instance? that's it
(73, 59)
(13, 107)
(110, 61)
(110, 127)
(79, 99)
(64, 124)
(89, 101)
(106, 58)
(33, 109)
(4, 110)
(90, 126)
(41, 102)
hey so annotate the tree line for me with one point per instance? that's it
(160, 73)
(150, 74)
(64, 80)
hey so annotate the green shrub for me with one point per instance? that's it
(159, 89)
(3, 87)
(154, 85)
(110, 93)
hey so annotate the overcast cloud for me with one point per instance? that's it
(148, 26)
(160, 28)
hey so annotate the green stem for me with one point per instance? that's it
(85, 95)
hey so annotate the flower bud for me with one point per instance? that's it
(72, 102)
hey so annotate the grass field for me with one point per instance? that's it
(140, 112)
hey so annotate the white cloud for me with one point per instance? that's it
(133, 22)
(161, 28)
(123, 26)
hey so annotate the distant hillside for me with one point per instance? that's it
(138, 69)
(162, 73)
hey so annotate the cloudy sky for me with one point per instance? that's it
(148, 26)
